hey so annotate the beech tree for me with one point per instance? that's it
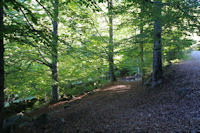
(111, 43)
(157, 49)
(54, 65)
(182, 7)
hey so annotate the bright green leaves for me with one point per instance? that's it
(83, 40)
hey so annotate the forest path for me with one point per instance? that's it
(187, 73)
(196, 55)
(128, 107)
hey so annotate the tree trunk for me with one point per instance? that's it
(157, 50)
(142, 42)
(1, 65)
(142, 54)
(54, 67)
(138, 67)
(111, 43)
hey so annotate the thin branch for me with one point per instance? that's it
(41, 62)
(27, 20)
(43, 57)
(47, 11)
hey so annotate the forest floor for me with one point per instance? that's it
(124, 107)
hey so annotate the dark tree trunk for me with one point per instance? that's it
(142, 55)
(157, 50)
(54, 67)
(1, 65)
(111, 43)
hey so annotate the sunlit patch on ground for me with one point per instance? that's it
(116, 88)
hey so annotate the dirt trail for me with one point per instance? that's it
(127, 107)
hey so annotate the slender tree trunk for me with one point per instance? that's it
(54, 67)
(157, 50)
(142, 54)
(138, 67)
(111, 43)
(1, 65)
(142, 42)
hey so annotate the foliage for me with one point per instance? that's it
(83, 42)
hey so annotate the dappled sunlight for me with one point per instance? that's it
(116, 88)
(65, 102)
(99, 66)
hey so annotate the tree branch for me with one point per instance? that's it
(27, 19)
(47, 11)
(43, 57)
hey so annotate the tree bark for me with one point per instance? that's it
(142, 53)
(54, 66)
(1, 64)
(157, 50)
(111, 42)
